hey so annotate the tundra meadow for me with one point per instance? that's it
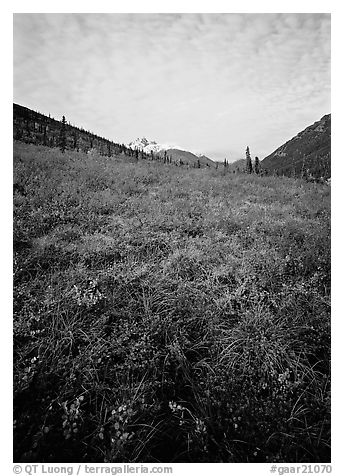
(166, 314)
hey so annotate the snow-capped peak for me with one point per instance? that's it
(150, 145)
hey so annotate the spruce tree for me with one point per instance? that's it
(256, 166)
(248, 161)
(63, 138)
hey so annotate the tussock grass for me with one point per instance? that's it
(165, 314)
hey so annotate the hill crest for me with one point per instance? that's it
(308, 154)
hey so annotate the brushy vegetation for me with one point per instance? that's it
(170, 315)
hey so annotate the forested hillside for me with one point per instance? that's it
(36, 128)
(33, 127)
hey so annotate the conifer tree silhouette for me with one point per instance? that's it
(248, 161)
(63, 138)
(256, 166)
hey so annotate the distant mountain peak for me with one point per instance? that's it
(149, 145)
(177, 153)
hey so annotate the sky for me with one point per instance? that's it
(208, 83)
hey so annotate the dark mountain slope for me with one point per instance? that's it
(308, 154)
(35, 128)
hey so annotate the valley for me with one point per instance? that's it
(168, 314)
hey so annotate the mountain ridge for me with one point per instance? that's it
(33, 127)
(307, 154)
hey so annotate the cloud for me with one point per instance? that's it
(207, 81)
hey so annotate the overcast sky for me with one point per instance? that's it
(210, 83)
